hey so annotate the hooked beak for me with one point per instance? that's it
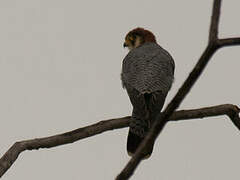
(125, 45)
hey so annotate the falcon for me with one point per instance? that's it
(147, 75)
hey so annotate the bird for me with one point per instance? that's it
(147, 75)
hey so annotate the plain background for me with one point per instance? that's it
(60, 64)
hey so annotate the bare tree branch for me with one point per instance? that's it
(69, 137)
(213, 32)
(230, 110)
(168, 114)
(162, 119)
(228, 42)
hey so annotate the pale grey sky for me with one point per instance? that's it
(60, 66)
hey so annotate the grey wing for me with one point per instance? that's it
(159, 73)
(148, 70)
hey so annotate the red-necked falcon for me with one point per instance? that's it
(147, 74)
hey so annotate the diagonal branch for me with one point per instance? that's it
(34, 144)
(232, 111)
(182, 92)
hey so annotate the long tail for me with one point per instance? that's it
(138, 129)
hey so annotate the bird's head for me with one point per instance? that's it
(137, 37)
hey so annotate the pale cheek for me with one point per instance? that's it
(137, 42)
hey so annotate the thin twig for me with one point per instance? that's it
(69, 137)
(213, 32)
(228, 42)
(182, 92)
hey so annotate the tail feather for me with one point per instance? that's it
(146, 108)
(133, 143)
(139, 128)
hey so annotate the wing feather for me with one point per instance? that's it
(148, 68)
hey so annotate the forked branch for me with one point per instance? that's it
(213, 44)
(168, 114)
(69, 137)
